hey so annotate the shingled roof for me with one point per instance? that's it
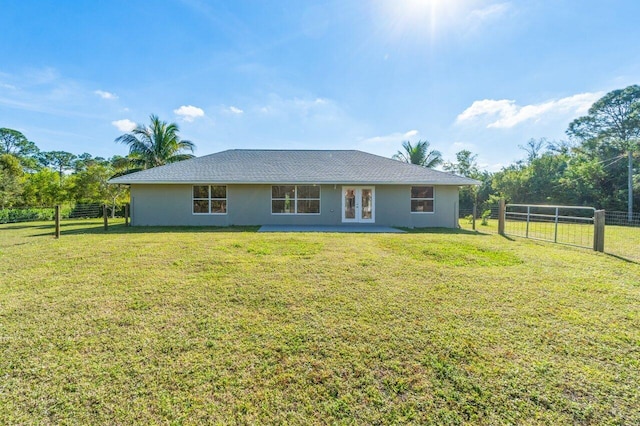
(292, 166)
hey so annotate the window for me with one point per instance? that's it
(295, 199)
(209, 199)
(422, 199)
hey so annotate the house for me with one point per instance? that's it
(293, 187)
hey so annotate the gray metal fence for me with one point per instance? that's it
(622, 236)
(572, 225)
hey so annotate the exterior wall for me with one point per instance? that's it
(171, 205)
(393, 207)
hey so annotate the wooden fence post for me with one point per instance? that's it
(475, 212)
(126, 214)
(501, 216)
(57, 219)
(598, 230)
(105, 217)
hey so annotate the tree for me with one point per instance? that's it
(539, 181)
(10, 180)
(58, 160)
(44, 189)
(15, 143)
(585, 182)
(90, 185)
(533, 148)
(155, 145)
(83, 161)
(465, 165)
(419, 154)
(613, 120)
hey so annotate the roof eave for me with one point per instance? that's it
(296, 182)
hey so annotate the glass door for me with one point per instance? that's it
(358, 204)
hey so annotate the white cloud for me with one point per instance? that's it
(392, 138)
(124, 125)
(305, 109)
(505, 113)
(189, 112)
(235, 110)
(106, 95)
(459, 146)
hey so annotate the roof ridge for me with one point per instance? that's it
(290, 150)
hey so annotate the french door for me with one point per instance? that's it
(358, 204)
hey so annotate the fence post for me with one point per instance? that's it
(105, 217)
(501, 216)
(475, 212)
(598, 230)
(57, 219)
(555, 231)
(126, 214)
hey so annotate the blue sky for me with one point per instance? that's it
(347, 74)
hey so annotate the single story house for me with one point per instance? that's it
(293, 187)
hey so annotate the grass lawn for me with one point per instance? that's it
(192, 326)
(622, 241)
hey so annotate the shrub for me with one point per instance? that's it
(486, 215)
(32, 214)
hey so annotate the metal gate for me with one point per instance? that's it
(572, 225)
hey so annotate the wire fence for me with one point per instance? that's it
(572, 225)
(486, 220)
(67, 211)
(622, 236)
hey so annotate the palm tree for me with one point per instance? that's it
(155, 145)
(419, 154)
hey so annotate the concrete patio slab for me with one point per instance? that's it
(366, 229)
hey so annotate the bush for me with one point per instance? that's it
(32, 214)
(23, 215)
(486, 215)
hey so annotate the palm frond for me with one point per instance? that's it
(156, 144)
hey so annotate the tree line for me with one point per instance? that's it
(593, 167)
(30, 177)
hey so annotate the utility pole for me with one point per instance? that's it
(630, 185)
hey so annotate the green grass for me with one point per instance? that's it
(622, 241)
(200, 325)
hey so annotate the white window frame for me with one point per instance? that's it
(433, 199)
(295, 199)
(210, 200)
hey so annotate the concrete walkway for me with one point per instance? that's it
(365, 229)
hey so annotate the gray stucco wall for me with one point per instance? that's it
(171, 205)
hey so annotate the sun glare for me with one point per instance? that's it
(421, 17)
